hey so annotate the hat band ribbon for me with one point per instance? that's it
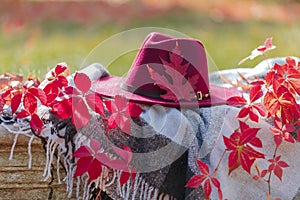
(152, 94)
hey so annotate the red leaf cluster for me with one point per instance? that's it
(240, 144)
(92, 158)
(276, 166)
(261, 50)
(57, 81)
(254, 108)
(205, 179)
(278, 102)
(121, 112)
(283, 83)
(75, 102)
(26, 97)
(175, 83)
(282, 131)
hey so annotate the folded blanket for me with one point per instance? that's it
(166, 143)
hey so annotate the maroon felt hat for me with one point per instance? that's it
(167, 71)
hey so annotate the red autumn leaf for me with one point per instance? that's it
(195, 181)
(59, 76)
(241, 153)
(282, 131)
(276, 166)
(264, 173)
(61, 81)
(36, 123)
(207, 188)
(2, 103)
(177, 85)
(51, 92)
(258, 176)
(253, 109)
(95, 169)
(203, 168)
(30, 103)
(95, 145)
(121, 111)
(63, 109)
(82, 165)
(176, 61)
(38, 93)
(288, 75)
(95, 103)
(80, 113)
(256, 142)
(22, 114)
(243, 126)
(260, 50)
(134, 110)
(278, 172)
(233, 161)
(236, 101)
(82, 151)
(90, 160)
(179, 89)
(258, 82)
(125, 153)
(15, 102)
(205, 176)
(281, 102)
(255, 93)
(82, 82)
(56, 82)
(249, 110)
(60, 68)
(124, 177)
(118, 164)
(216, 182)
(290, 61)
(69, 91)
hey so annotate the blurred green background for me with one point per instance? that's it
(35, 35)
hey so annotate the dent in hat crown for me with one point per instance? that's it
(155, 53)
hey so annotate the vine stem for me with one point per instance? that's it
(217, 167)
(266, 59)
(270, 175)
(105, 123)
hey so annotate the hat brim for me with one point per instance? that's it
(111, 86)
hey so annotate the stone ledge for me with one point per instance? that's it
(19, 182)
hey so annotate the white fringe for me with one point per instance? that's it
(29, 151)
(146, 191)
(13, 147)
(77, 187)
(47, 158)
(155, 196)
(137, 182)
(61, 150)
(150, 193)
(112, 181)
(142, 190)
(85, 188)
(106, 180)
(128, 190)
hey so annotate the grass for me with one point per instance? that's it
(38, 47)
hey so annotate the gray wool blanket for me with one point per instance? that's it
(166, 143)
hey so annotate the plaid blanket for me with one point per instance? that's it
(166, 143)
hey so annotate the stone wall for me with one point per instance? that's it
(19, 182)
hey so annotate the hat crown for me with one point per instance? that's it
(155, 53)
